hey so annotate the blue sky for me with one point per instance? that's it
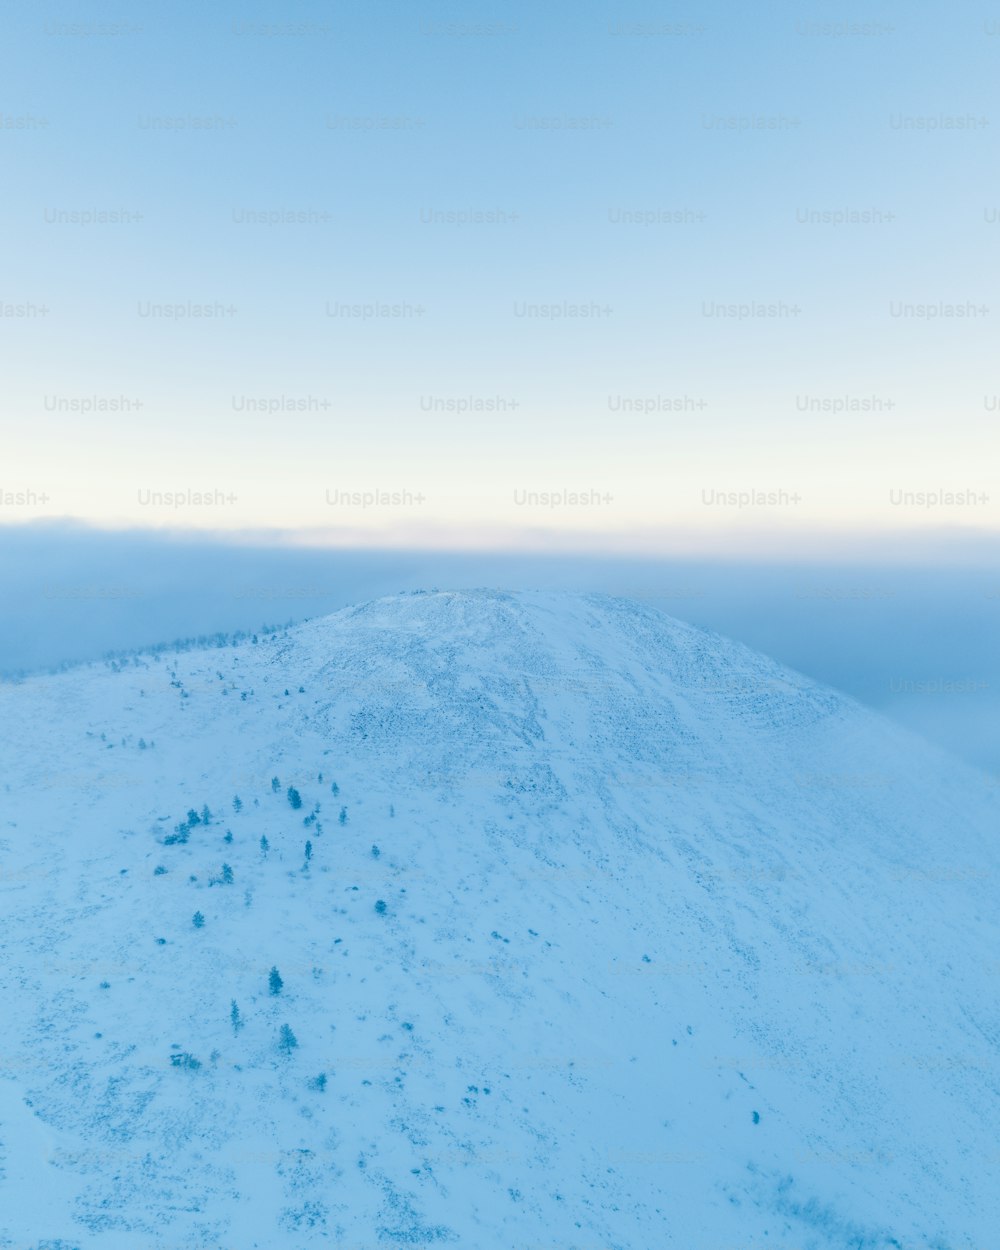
(639, 167)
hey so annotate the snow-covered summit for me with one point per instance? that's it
(591, 929)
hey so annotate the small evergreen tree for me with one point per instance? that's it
(185, 1060)
(264, 846)
(375, 852)
(294, 798)
(335, 789)
(198, 920)
(206, 815)
(309, 851)
(343, 816)
(179, 835)
(235, 1018)
(274, 981)
(237, 803)
(288, 1040)
(275, 785)
(227, 875)
(193, 818)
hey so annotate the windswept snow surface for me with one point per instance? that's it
(614, 936)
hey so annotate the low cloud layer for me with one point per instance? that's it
(918, 643)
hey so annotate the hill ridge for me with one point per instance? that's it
(593, 929)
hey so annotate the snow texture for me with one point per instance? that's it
(611, 935)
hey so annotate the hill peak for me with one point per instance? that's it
(591, 928)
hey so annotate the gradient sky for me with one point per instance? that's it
(367, 118)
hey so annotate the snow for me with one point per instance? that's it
(677, 948)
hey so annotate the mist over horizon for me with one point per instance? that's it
(916, 643)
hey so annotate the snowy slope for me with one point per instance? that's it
(614, 936)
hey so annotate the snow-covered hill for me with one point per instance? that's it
(593, 931)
